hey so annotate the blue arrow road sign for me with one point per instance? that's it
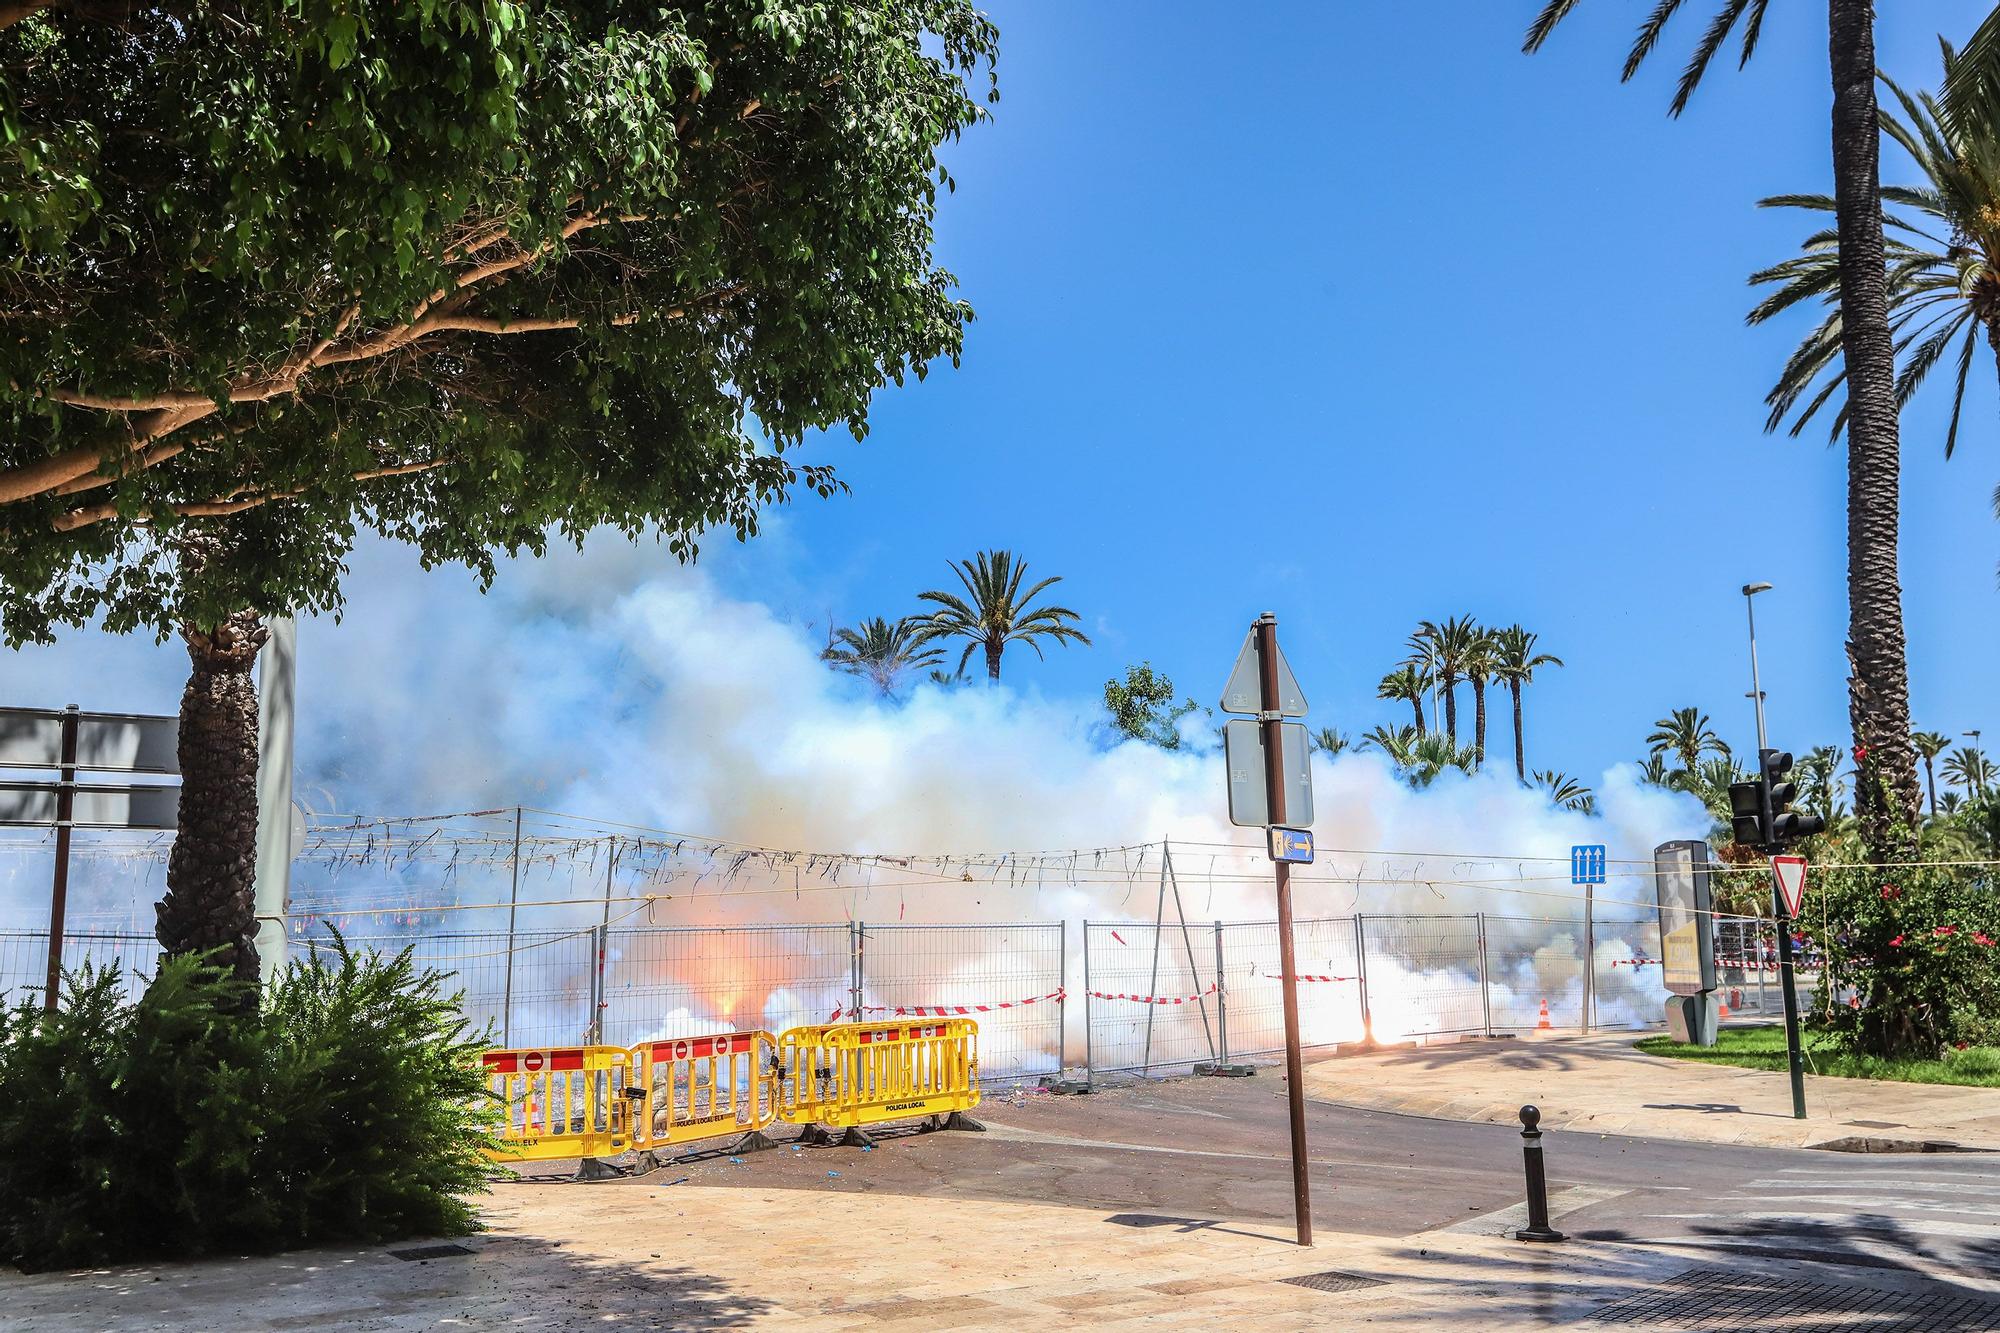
(1586, 863)
(1291, 844)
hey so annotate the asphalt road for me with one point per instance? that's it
(1208, 1151)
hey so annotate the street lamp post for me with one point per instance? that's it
(1750, 591)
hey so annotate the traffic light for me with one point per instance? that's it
(1746, 812)
(1781, 825)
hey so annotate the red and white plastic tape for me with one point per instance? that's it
(946, 1010)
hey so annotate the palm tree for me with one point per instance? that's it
(1328, 741)
(1930, 744)
(1446, 648)
(1654, 771)
(1431, 754)
(882, 651)
(1878, 680)
(1394, 742)
(1566, 791)
(1406, 682)
(1482, 663)
(1944, 268)
(1423, 660)
(1820, 783)
(1969, 768)
(998, 613)
(1686, 733)
(1515, 666)
(1709, 782)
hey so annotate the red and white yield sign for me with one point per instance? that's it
(1791, 873)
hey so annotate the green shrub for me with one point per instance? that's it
(349, 1107)
(1912, 958)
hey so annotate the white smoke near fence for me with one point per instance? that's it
(617, 683)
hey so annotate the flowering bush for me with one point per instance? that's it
(1912, 957)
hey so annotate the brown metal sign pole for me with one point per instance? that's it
(1274, 784)
(59, 891)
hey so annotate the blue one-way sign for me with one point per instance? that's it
(1586, 863)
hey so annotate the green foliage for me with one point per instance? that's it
(1912, 958)
(350, 1108)
(1763, 1047)
(472, 274)
(881, 651)
(995, 611)
(1142, 707)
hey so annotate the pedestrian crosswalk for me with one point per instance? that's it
(1936, 1210)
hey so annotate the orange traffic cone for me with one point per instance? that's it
(1724, 1011)
(1543, 1022)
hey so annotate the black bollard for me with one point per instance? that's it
(1538, 1227)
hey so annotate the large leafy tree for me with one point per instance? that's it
(1142, 707)
(881, 650)
(470, 274)
(1516, 663)
(1886, 794)
(995, 612)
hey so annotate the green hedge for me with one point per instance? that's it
(348, 1107)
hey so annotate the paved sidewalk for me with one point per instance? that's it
(566, 1257)
(1601, 1083)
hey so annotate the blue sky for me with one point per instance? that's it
(1362, 318)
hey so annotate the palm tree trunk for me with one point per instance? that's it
(1479, 721)
(1451, 707)
(1878, 686)
(993, 660)
(211, 872)
(1930, 781)
(1520, 751)
(1417, 707)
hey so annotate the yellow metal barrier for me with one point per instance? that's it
(692, 1088)
(865, 1073)
(569, 1101)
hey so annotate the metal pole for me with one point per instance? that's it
(1221, 1001)
(1089, 1057)
(597, 999)
(513, 905)
(1274, 785)
(1589, 952)
(1750, 591)
(857, 935)
(1361, 968)
(59, 888)
(1153, 983)
(1062, 997)
(276, 675)
(1791, 995)
(1485, 986)
(1187, 943)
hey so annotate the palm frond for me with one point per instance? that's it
(1704, 51)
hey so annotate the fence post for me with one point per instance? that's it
(513, 904)
(1089, 1058)
(603, 937)
(1062, 993)
(1361, 966)
(1221, 1001)
(857, 933)
(1485, 983)
(59, 884)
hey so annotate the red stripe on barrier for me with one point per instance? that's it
(1155, 999)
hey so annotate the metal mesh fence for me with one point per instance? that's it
(689, 982)
(24, 960)
(1151, 996)
(982, 968)
(1329, 984)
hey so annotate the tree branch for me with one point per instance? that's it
(234, 502)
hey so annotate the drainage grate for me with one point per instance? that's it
(1333, 1281)
(430, 1252)
(1721, 1298)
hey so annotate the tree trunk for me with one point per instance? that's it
(1417, 707)
(1451, 707)
(1886, 797)
(1479, 721)
(1930, 782)
(993, 660)
(1520, 750)
(210, 902)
